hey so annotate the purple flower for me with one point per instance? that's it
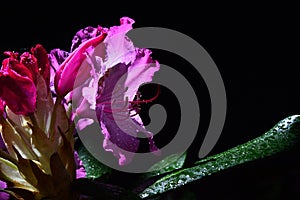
(118, 70)
(116, 109)
(110, 69)
(3, 195)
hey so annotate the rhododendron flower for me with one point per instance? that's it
(106, 69)
(118, 117)
(18, 79)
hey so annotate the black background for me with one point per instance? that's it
(256, 50)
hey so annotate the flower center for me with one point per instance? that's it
(121, 110)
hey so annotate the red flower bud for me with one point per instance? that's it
(18, 92)
(17, 83)
(42, 62)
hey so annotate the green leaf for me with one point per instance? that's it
(44, 104)
(93, 167)
(9, 173)
(14, 194)
(45, 183)
(66, 155)
(61, 180)
(59, 118)
(25, 169)
(13, 138)
(43, 147)
(20, 124)
(170, 163)
(281, 137)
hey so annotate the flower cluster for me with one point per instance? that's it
(38, 158)
(99, 77)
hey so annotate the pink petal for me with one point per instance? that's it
(141, 71)
(75, 64)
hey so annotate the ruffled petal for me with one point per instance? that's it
(119, 48)
(141, 71)
(119, 129)
(83, 35)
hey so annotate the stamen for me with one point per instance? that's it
(148, 100)
(126, 108)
